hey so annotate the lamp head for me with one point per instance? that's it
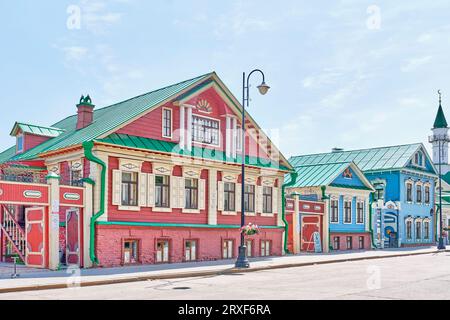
(263, 88)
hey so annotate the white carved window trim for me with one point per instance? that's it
(411, 183)
(163, 122)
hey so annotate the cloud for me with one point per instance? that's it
(74, 53)
(96, 17)
(414, 63)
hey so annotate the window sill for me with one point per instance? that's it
(229, 213)
(267, 214)
(250, 214)
(195, 211)
(161, 209)
(129, 208)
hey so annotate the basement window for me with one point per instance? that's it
(130, 252)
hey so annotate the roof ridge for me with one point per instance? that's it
(141, 95)
(40, 126)
(153, 91)
(323, 164)
(353, 150)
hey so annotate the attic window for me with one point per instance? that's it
(348, 174)
(418, 159)
(19, 143)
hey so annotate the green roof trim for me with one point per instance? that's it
(176, 225)
(148, 144)
(349, 187)
(317, 175)
(50, 132)
(440, 121)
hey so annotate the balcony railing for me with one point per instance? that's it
(35, 178)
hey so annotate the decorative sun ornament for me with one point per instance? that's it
(204, 106)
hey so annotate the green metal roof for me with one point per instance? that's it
(440, 121)
(36, 130)
(196, 152)
(105, 120)
(376, 159)
(316, 175)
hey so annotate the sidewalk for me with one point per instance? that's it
(34, 279)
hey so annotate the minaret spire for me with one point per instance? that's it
(440, 121)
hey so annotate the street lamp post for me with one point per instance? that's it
(242, 261)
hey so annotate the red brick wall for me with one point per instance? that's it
(355, 242)
(209, 241)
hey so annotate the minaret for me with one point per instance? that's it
(440, 138)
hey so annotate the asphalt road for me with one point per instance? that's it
(415, 277)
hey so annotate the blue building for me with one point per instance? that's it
(346, 192)
(401, 208)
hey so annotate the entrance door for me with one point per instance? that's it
(310, 225)
(73, 237)
(35, 237)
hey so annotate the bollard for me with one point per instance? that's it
(15, 274)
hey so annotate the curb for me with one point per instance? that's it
(195, 274)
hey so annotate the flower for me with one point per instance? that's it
(250, 229)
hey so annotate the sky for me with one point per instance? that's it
(349, 73)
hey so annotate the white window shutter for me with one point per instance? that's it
(142, 189)
(275, 200)
(220, 194)
(201, 194)
(151, 190)
(117, 188)
(174, 192)
(181, 192)
(259, 199)
(238, 196)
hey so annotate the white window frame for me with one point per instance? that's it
(362, 203)
(351, 211)
(411, 183)
(20, 147)
(419, 185)
(411, 238)
(219, 142)
(416, 222)
(163, 120)
(427, 185)
(331, 211)
(266, 246)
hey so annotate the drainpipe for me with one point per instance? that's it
(325, 197)
(371, 221)
(88, 146)
(294, 176)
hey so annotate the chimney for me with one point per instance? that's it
(85, 112)
(337, 150)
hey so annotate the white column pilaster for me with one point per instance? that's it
(296, 225)
(182, 128)
(189, 129)
(212, 206)
(234, 134)
(53, 214)
(228, 135)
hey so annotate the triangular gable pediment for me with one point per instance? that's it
(428, 164)
(210, 98)
(352, 177)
